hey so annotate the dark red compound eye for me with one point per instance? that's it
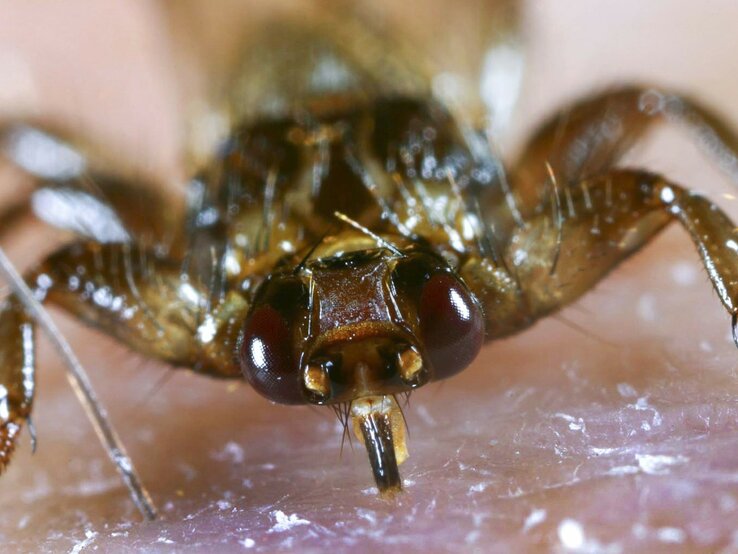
(266, 357)
(451, 324)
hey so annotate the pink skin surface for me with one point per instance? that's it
(624, 440)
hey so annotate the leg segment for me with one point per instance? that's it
(591, 136)
(16, 375)
(608, 218)
(80, 383)
(142, 300)
(145, 302)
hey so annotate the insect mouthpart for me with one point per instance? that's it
(379, 425)
(360, 367)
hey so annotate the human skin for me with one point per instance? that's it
(623, 438)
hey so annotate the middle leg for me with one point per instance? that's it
(591, 136)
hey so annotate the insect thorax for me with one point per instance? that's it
(394, 165)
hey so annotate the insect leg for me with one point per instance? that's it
(612, 216)
(16, 334)
(593, 134)
(17, 380)
(139, 298)
(144, 301)
(72, 193)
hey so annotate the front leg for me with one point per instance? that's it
(558, 257)
(144, 301)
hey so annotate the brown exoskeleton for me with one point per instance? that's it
(354, 241)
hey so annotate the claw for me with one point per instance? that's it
(379, 425)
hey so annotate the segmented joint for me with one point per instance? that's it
(410, 365)
(317, 381)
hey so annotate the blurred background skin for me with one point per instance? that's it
(551, 439)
